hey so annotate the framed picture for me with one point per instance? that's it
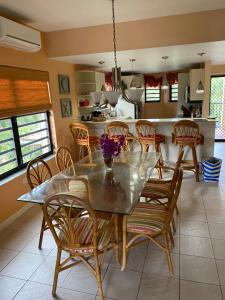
(66, 107)
(64, 84)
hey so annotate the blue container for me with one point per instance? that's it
(211, 169)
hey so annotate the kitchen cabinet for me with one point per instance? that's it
(87, 82)
(195, 76)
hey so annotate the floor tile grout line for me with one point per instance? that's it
(213, 250)
(142, 271)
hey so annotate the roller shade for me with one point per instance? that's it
(23, 91)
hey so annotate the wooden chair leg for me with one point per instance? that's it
(174, 226)
(171, 237)
(41, 233)
(124, 242)
(159, 167)
(98, 277)
(169, 260)
(56, 275)
(194, 155)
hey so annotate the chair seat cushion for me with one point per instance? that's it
(81, 238)
(149, 209)
(146, 224)
(159, 181)
(93, 139)
(189, 139)
(156, 191)
(159, 138)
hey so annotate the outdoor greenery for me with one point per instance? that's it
(217, 97)
(29, 140)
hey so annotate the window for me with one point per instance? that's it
(152, 94)
(174, 92)
(23, 138)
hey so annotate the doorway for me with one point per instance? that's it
(217, 105)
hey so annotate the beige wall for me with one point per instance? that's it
(10, 191)
(164, 31)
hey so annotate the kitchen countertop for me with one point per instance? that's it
(130, 121)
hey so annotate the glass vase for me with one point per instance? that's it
(109, 162)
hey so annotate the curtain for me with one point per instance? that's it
(23, 91)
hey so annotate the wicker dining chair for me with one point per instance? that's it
(117, 128)
(132, 144)
(186, 134)
(161, 191)
(83, 236)
(83, 140)
(64, 158)
(150, 223)
(38, 172)
(148, 136)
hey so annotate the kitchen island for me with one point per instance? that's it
(165, 126)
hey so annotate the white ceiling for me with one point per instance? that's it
(52, 15)
(150, 61)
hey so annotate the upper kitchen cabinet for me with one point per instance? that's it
(87, 82)
(195, 76)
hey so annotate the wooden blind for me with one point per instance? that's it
(23, 91)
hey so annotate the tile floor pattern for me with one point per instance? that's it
(198, 257)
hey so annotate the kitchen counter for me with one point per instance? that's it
(165, 126)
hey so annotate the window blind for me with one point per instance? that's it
(23, 91)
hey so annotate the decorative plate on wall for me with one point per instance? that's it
(64, 84)
(66, 107)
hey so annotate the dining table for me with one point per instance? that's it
(110, 190)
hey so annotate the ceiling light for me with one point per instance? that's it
(117, 89)
(165, 84)
(200, 87)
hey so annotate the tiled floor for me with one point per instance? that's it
(198, 257)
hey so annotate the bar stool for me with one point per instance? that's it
(82, 138)
(186, 134)
(117, 128)
(147, 136)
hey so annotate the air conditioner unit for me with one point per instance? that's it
(19, 37)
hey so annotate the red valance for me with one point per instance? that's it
(172, 78)
(152, 81)
(108, 81)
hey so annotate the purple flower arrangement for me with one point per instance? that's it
(110, 147)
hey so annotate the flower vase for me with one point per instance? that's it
(109, 162)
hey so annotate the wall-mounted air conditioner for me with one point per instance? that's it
(19, 37)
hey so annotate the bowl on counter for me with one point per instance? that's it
(84, 102)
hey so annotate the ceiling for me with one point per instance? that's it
(150, 60)
(52, 15)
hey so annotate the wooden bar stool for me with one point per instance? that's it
(147, 136)
(186, 134)
(82, 138)
(117, 128)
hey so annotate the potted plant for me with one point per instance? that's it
(111, 148)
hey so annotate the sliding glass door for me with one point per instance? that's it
(217, 105)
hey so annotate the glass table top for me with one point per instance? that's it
(116, 191)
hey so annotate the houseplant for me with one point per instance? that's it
(111, 148)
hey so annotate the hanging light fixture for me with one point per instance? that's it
(200, 87)
(133, 81)
(130, 95)
(165, 84)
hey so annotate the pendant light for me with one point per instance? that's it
(200, 87)
(133, 81)
(130, 95)
(165, 84)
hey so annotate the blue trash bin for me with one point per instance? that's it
(211, 169)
